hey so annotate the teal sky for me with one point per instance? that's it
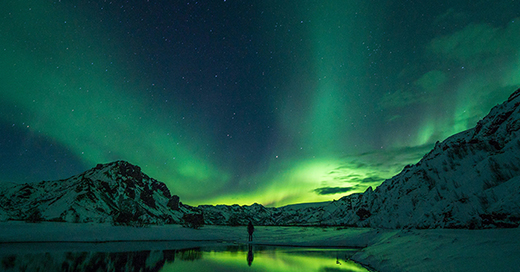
(233, 102)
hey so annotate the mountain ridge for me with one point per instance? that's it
(469, 180)
(458, 184)
(116, 192)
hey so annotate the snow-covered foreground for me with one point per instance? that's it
(444, 250)
(384, 250)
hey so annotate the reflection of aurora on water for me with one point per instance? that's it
(262, 258)
(222, 258)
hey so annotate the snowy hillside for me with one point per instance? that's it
(470, 180)
(116, 193)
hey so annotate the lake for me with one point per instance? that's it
(112, 257)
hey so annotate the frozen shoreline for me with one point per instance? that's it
(12, 232)
(384, 250)
(444, 250)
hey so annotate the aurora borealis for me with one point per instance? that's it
(274, 102)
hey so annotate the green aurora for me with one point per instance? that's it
(343, 94)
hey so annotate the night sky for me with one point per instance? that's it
(230, 101)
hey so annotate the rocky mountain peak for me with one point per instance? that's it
(129, 175)
(118, 169)
(469, 180)
(122, 168)
(117, 192)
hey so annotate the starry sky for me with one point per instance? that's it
(273, 102)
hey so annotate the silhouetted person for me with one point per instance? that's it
(250, 230)
(250, 256)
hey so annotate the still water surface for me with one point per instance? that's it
(217, 258)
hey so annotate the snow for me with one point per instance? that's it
(99, 195)
(385, 250)
(445, 250)
(469, 181)
(17, 231)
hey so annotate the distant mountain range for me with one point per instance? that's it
(470, 180)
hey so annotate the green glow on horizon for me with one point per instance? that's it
(318, 119)
(73, 94)
(295, 181)
(71, 84)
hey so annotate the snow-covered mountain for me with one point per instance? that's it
(470, 180)
(116, 192)
(309, 214)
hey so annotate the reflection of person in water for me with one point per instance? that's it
(250, 230)
(250, 256)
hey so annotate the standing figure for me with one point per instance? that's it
(250, 230)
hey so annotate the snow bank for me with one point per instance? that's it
(384, 250)
(445, 250)
(17, 232)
